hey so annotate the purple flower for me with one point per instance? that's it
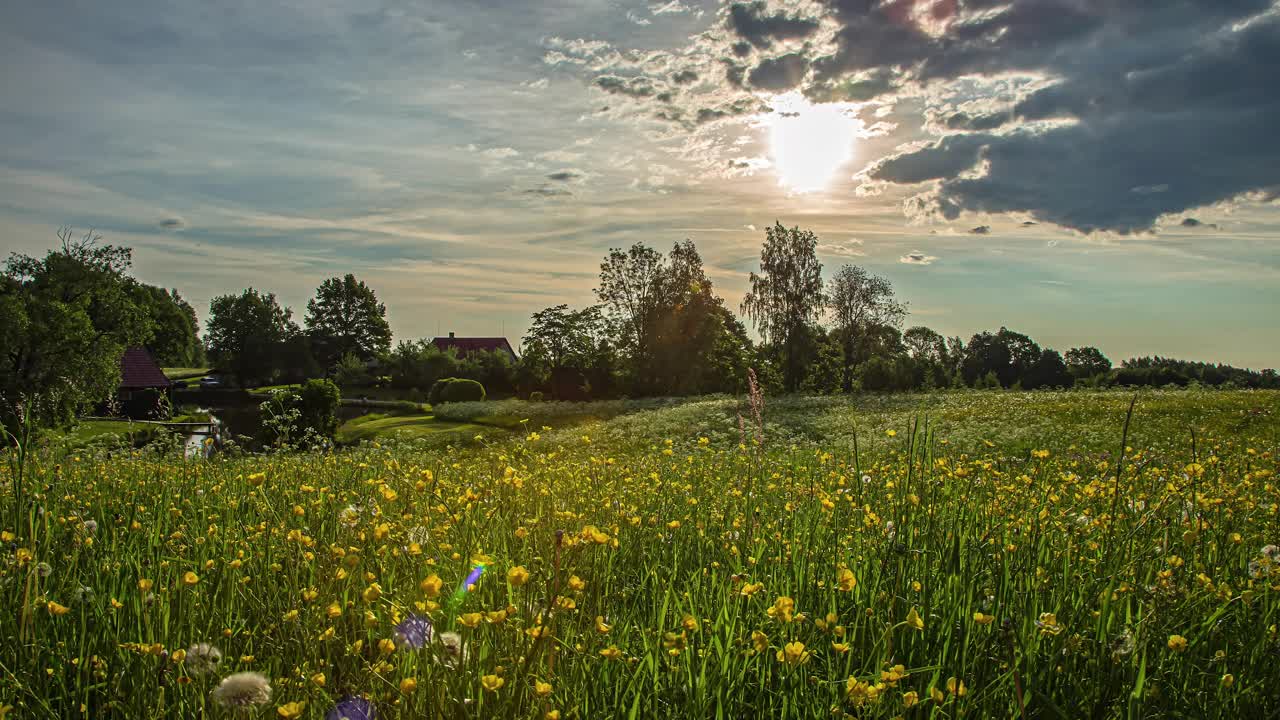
(352, 707)
(414, 631)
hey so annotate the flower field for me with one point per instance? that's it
(959, 555)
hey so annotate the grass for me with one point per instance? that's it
(183, 373)
(382, 426)
(965, 554)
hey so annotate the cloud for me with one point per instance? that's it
(670, 8)
(851, 247)
(760, 24)
(565, 175)
(1194, 223)
(780, 73)
(635, 18)
(916, 257)
(173, 223)
(1029, 223)
(981, 230)
(494, 153)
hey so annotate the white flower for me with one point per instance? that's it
(203, 658)
(242, 691)
(453, 651)
(91, 526)
(1271, 552)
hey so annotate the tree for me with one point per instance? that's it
(1007, 354)
(65, 321)
(570, 350)
(247, 333)
(1087, 362)
(786, 297)
(924, 344)
(175, 333)
(346, 317)
(859, 302)
(630, 285)
(1048, 371)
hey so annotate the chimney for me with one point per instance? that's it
(451, 334)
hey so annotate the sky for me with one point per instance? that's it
(1088, 172)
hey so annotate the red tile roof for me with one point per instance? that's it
(469, 345)
(138, 370)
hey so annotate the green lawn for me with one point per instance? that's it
(376, 426)
(185, 373)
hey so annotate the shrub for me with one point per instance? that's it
(535, 396)
(318, 402)
(462, 390)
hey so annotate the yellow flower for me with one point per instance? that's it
(517, 576)
(178, 655)
(793, 653)
(552, 715)
(431, 586)
(292, 710)
(318, 679)
(841, 648)
(1177, 643)
(611, 653)
(759, 640)
(145, 585)
(891, 433)
(1048, 623)
(910, 698)
(543, 689)
(914, 620)
(386, 646)
(936, 695)
(56, 609)
(190, 578)
(408, 685)
(783, 610)
(256, 478)
(1228, 680)
(576, 583)
(689, 623)
(750, 589)
(471, 619)
(492, 682)
(601, 626)
(846, 580)
(956, 687)
(334, 610)
(982, 619)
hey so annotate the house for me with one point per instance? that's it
(466, 346)
(142, 384)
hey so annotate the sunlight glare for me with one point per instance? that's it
(809, 142)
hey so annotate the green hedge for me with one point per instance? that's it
(456, 390)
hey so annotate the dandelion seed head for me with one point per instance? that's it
(242, 691)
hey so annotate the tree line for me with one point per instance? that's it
(657, 328)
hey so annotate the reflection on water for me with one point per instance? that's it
(241, 424)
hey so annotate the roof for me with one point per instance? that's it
(138, 370)
(469, 345)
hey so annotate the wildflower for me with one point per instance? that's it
(202, 659)
(334, 610)
(983, 619)
(452, 649)
(1048, 624)
(517, 576)
(372, 593)
(386, 646)
(90, 526)
(414, 631)
(242, 691)
(318, 679)
(914, 620)
(552, 715)
(611, 653)
(689, 623)
(408, 685)
(351, 707)
(256, 479)
(471, 619)
(543, 689)
(846, 580)
(190, 578)
(431, 586)
(1177, 643)
(56, 609)
(956, 687)
(602, 627)
(576, 583)
(783, 609)
(749, 589)
(492, 682)
(759, 641)
(1228, 680)
(910, 698)
(1123, 645)
(291, 710)
(43, 569)
(793, 653)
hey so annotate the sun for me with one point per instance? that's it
(808, 143)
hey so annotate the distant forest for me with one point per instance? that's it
(657, 328)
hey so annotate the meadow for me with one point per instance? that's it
(1000, 554)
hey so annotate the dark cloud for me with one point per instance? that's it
(565, 176)
(965, 121)
(547, 192)
(1029, 223)
(759, 24)
(173, 223)
(981, 230)
(1195, 223)
(638, 87)
(780, 73)
(684, 77)
(917, 258)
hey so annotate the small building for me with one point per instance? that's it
(465, 346)
(142, 384)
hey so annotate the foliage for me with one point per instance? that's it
(305, 416)
(345, 318)
(786, 296)
(65, 321)
(569, 352)
(975, 554)
(450, 390)
(352, 372)
(863, 307)
(246, 334)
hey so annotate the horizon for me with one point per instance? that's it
(1085, 174)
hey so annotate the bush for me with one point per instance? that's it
(535, 396)
(462, 390)
(318, 402)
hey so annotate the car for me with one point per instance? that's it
(210, 381)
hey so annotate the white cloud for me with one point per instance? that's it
(916, 257)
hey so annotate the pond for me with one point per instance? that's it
(237, 417)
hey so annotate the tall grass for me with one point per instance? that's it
(937, 570)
